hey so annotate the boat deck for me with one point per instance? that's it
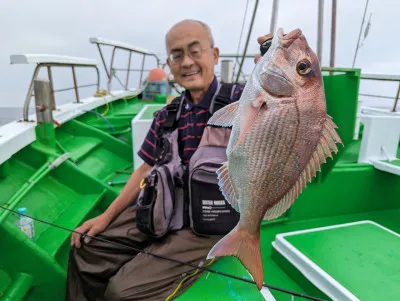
(348, 265)
(363, 248)
(101, 144)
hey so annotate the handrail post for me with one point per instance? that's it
(53, 98)
(320, 29)
(104, 62)
(141, 72)
(75, 84)
(43, 101)
(397, 99)
(98, 78)
(226, 71)
(30, 91)
(275, 5)
(111, 70)
(127, 72)
(45, 132)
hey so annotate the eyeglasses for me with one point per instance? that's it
(194, 52)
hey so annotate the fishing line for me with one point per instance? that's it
(166, 258)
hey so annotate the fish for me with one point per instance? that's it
(280, 136)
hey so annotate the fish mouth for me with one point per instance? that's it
(290, 37)
(276, 75)
(276, 84)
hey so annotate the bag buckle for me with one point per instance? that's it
(143, 183)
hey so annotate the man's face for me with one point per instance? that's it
(190, 56)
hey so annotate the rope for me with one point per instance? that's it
(240, 38)
(102, 117)
(247, 40)
(186, 278)
(202, 268)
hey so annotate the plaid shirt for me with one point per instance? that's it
(191, 124)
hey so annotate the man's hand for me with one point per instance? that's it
(92, 227)
(260, 40)
(124, 199)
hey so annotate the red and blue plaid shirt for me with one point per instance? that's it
(191, 124)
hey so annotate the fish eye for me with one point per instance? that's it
(303, 67)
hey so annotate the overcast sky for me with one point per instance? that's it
(64, 27)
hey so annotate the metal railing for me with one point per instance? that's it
(50, 61)
(383, 77)
(364, 76)
(110, 71)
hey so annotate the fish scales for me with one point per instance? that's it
(267, 150)
(279, 155)
(280, 136)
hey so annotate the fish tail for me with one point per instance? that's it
(246, 247)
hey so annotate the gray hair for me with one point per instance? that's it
(205, 26)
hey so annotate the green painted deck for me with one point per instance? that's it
(280, 272)
(393, 162)
(350, 251)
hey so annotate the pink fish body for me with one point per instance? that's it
(281, 134)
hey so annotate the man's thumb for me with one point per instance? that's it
(87, 237)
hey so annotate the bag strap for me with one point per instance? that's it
(174, 109)
(223, 97)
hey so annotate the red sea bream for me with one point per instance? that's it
(281, 134)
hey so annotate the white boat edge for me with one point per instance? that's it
(17, 134)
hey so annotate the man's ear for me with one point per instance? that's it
(216, 55)
(168, 63)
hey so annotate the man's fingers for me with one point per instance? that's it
(92, 232)
(260, 40)
(256, 58)
(72, 239)
(76, 238)
(263, 38)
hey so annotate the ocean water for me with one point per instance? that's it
(9, 114)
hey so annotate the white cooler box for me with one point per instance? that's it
(140, 126)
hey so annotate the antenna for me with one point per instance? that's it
(359, 36)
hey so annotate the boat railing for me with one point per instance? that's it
(385, 78)
(49, 61)
(227, 72)
(111, 70)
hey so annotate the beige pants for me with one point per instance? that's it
(103, 271)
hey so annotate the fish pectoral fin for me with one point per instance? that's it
(226, 186)
(325, 147)
(247, 120)
(224, 117)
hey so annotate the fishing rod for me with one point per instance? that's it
(205, 269)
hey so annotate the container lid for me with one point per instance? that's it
(22, 210)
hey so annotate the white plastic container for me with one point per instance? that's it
(25, 224)
(141, 124)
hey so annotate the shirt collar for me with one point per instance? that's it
(206, 101)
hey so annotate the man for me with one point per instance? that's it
(104, 271)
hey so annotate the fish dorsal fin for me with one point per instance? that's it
(324, 149)
(224, 117)
(226, 186)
